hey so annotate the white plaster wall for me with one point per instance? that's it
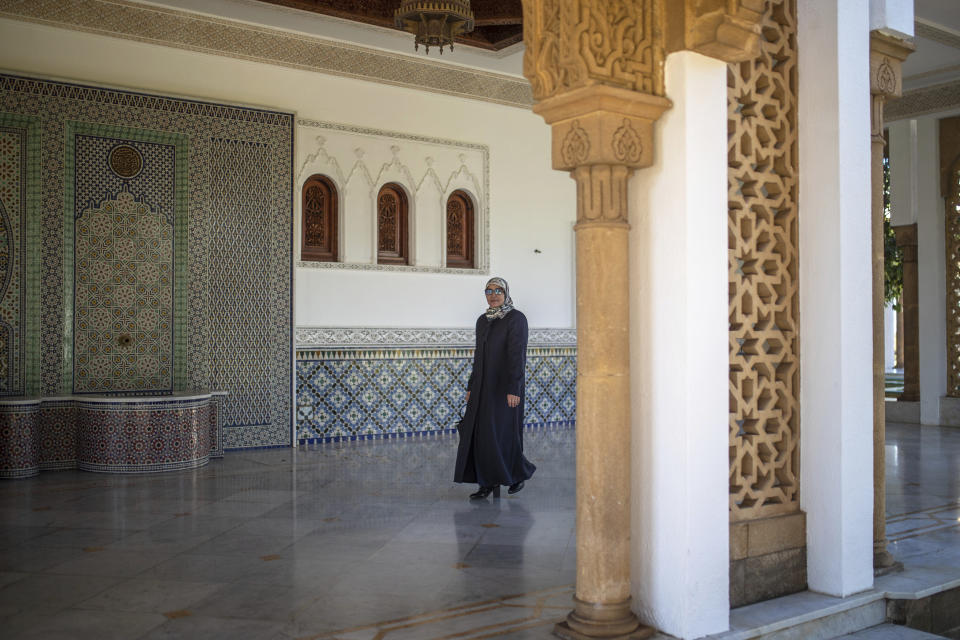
(531, 206)
(931, 272)
(836, 356)
(679, 361)
(889, 337)
(902, 136)
(892, 15)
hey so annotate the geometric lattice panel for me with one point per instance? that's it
(124, 266)
(357, 393)
(952, 226)
(763, 285)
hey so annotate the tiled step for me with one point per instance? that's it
(890, 632)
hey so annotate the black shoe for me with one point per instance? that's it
(482, 493)
(515, 487)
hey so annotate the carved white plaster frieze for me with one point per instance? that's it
(418, 163)
(390, 337)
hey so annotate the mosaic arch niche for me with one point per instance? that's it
(164, 234)
(129, 262)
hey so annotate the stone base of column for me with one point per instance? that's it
(589, 621)
(884, 562)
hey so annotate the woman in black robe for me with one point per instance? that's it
(491, 433)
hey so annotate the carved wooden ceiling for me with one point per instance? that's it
(498, 23)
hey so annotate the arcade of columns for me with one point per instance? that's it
(597, 72)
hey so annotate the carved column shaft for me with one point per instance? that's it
(600, 134)
(886, 55)
(603, 403)
(910, 312)
(596, 69)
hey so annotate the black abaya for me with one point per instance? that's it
(491, 434)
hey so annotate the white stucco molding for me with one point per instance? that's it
(928, 100)
(413, 338)
(416, 162)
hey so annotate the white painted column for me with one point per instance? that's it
(902, 140)
(836, 352)
(931, 272)
(679, 361)
(892, 15)
(889, 337)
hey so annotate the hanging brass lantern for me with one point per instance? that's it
(434, 23)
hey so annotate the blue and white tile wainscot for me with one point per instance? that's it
(358, 383)
(111, 434)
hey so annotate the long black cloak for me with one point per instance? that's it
(491, 435)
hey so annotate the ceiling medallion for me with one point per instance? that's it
(435, 23)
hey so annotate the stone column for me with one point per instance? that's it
(596, 69)
(886, 54)
(910, 313)
(600, 134)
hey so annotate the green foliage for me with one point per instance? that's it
(892, 256)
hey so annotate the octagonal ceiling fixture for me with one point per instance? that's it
(434, 23)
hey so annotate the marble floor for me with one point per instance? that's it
(349, 541)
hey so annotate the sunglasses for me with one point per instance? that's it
(490, 292)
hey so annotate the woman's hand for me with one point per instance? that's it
(512, 400)
(468, 396)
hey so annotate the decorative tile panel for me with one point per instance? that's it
(115, 435)
(19, 163)
(351, 393)
(143, 437)
(19, 455)
(250, 321)
(237, 165)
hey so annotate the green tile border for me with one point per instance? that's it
(181, 321)
(30, 230)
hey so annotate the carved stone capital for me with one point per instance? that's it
(602, 125)
(601, 195)
(887, 54)
(578, 43)
(722, 29)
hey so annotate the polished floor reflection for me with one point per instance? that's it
(279, 543)
(355, 540)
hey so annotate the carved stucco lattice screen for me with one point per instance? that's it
(952, 222)
(763, 241)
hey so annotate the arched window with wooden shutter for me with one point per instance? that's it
(460, 230)
(319, 207)
(392, 225)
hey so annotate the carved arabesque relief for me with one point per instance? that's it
(577, 44)
(460, 230)
(392, 226)
(319, 208)
(763, 250)
(950, 190)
